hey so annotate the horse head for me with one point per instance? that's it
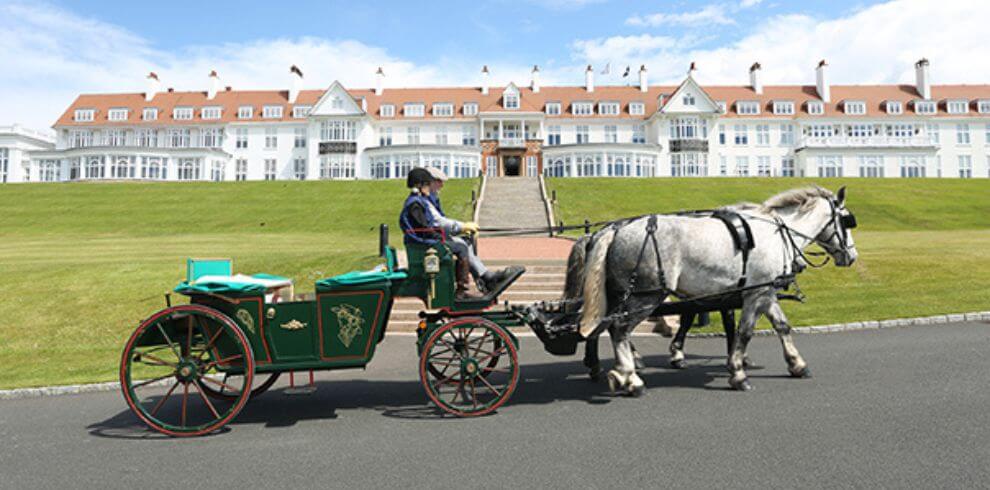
(836, 236)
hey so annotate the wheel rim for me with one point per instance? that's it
(261, 385)
(469, 367)
(171, 356)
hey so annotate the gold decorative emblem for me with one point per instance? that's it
(294, 325)
(245, 317)
(350, 320)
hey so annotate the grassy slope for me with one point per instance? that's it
(923, 243)
(82, 264)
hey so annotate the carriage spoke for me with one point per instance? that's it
(498, 352)
(498, 394)
(185, 401)
(211, 364)
(162, 401)
(220, 384)
(212, 340)
(168, 340)
(495, 370)
(158, 360)
(474, 395)
(189, 336)
(149, 381)
(207, 401)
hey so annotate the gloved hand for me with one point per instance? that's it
(469, 228)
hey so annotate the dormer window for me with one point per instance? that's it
(510, 100)
(957, 106)
(894, 107)
(983, 106)
(608, 108)
(924, 107)
(637, 108)
(245, 112)
(470, 109)
(783, 107)
(444, 109)
(688, 99)
(336, 103)
(84, 115)
(149, 114)
(271, 112)
(182, 113)
(413, 110)
(722, 107)
(210, 113)
(117, 114)
(387, 110)
(816, 108)
(582, 108)
(854, 107)
(748, 107)
(553, 108)
(300, 111)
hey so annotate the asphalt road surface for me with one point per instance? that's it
(892, 408)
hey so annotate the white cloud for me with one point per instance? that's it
(877, 44)
(708, 15)
(749, 3)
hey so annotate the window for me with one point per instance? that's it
(271, 112)
(300, 138)
(443, 110)
(871, 166)
(338, 130)
(182, 113)
(84, 115)
(816, 108)
(912, 166)
(153, 168)
(830, 166)
(189, 169)
(117, 115)
(721, 134)
(855, 107)
(639, 134)
(957, 106)
(470, 109)
(608, 108)
(440, 136)
(582, 108)
(245, 112)
(178, 138)
(123, 168)
(689, 164)
(413, 110)
(240, 170)
(271, 138)
(218, 172)
(722, 107)
(859, 131)
(147, 138)
(94, 168)
(983, 106)
(742, 166)
(510, 100)
(986, 135)
(688, 99)
(210, 113)
(747, 107)
(611, 134)
(553, 108)
(301, 111)
(491, 166)
(387, 110)
(894, 107)
(270, 169)
(741, 135)
(412, 135)
(469, 136)
(581, 133)
(553, 135)
(723, 165)
(820, 131)
(786, 135)
(787, 167)
(783, 107)
(336, 103)
(962, 134)
(637, 108)
(299, 168)
(212, 137)
(149, 114)
(241, 138)
(384, 136)
(763, 166)
(531, 166)
(338, 166)
(81, 139)
(4, 164)
(965, 167)
(762, 135)
(901, 132)
(924, 107)
(688, 128)
(115, 137)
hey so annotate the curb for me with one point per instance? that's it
(836, 327)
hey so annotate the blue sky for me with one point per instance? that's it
(53, 50)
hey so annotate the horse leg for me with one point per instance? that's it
(737, 374)
(637, 359)
(591, 359)
(729, 326)
(795, 363)
(677, 345)
(623, 378)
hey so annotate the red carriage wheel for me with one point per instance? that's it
(172, 355)
(457, 371)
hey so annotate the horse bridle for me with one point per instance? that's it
(840, 223)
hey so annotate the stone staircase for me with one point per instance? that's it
(512, 202)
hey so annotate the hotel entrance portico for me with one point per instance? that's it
(512, 146)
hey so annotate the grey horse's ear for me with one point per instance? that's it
(842, 195)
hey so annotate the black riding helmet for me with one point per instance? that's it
(418, 177)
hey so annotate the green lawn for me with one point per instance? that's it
(924, 244)
(82, 264)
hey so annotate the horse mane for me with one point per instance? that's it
(803, 198)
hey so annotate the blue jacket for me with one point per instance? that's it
(416, 214)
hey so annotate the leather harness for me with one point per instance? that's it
(742, 236)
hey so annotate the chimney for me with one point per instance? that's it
(484, 80)
(535, 85)
(295, 83)
(821, 83)
(692, 69)
(643, 87)
(923, 82)
(754, 78)
(214, 85)
(154, 86)
(589, 79)
(379, 81)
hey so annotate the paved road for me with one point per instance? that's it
(894, 408)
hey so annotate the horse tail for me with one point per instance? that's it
(595, 299)
(574, 280)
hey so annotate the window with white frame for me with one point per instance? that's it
(271, 112)
(84, 115)
(338, 130)
(611, 134)
(855, 107)
(871, 166)
(742, 166)
(688, 128)
(983, 106)
(387, 110)
(816, 108)
(300, 111)
(470, 109)
(271, 169)
(149, 114)
(763, 166)
(723, 165)
(762, 135)
(741, 134)
(179, 138)
(210, 113)
(413, 110)
(241, 138)
(820, 131)
(469, 135)
(189, 168)
(962, 134)
(510, 100)
(123, 167)
(639, 134)
(115, 137)
(80, 139)
(608, 108)
(336, 103)
(895, 107)
(721, 134)
(531, 166)
(582, 108)
(859, 131)
(581, 134)
(689, 164)
(117, 114)
(212, 137)
(553, 135)
(900, 132)
(440, 135)
(933, 133)
(830, 166)
(299, 168)
(688, 99)
(786, 135)
(218, 171)
(4, 164)
(747, 107)
(338, 166)
(491, 166)
(912, 166)
(182, 113)
(783, 107)
(271, 138)
(385, 136)
(240, 170)
(49, 170)
(245, 112)
(146, 138)
(965, 167)
(412, 135)
(787, 167)
(300, 137)
(553, 108)
(957, 106)
(444, 109)
(637, 108)
(94, 168)
(924, 107)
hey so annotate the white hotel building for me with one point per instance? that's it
(642, 130)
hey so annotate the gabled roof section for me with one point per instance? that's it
(337, 101)
(704, 104)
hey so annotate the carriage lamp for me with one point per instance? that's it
(431, 266)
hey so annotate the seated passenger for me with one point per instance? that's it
(420, 212)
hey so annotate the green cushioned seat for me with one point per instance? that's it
(358, 278)
(220, 287)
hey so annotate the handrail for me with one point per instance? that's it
(547, 204)
(481, 197)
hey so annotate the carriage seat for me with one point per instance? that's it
(215, 276)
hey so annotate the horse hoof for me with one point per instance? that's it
(614, 383)
(743, 385)
(678, 364)
(638, 362)
(804, 372)
(637, 391)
